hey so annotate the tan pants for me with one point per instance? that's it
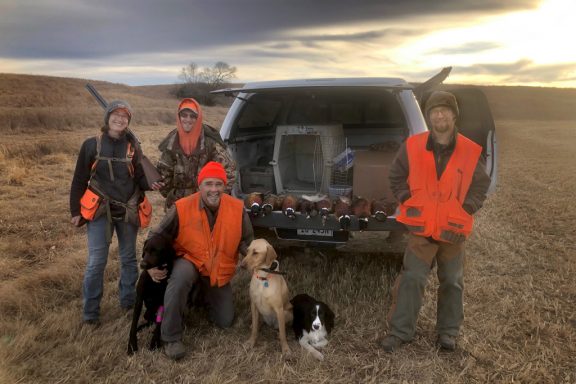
(410, 284)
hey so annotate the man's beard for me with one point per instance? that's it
(442, 127)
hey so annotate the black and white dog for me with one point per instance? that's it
(157, 252)
(313, 321)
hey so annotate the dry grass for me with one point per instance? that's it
(32, 104)
(520, 323)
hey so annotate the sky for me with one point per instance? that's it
(145, 42)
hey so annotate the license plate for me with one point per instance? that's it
(314, 232)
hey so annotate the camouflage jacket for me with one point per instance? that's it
(180, 172)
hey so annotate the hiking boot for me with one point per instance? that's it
(390, 343)
(446, 342)
(175, 350)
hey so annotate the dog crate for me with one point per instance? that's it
(257, 179)
(304, 157)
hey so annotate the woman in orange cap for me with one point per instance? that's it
(187, 149)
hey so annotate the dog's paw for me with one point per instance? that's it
(286, 352)
(317, 355)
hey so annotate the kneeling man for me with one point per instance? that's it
(208, 229)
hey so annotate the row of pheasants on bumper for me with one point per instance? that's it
(310, 206)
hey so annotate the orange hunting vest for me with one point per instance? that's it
(215, 254)
(435, 206)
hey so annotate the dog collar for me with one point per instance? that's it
(264, 279)
(273, 269)
(268, 270)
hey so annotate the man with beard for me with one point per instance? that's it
(440, 181)
(207, 229)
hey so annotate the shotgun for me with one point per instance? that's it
(150, 172)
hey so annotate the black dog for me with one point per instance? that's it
(157, 252)
(313, 321)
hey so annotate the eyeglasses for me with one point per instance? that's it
(189, 115)
(440, 110)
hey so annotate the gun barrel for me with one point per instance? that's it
(97, 96)
(150, 172)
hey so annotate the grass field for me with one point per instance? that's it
(520, 292)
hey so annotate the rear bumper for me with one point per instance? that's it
(286, 228)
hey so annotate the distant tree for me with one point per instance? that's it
(221, 73)
(190, 73)
(199, 82)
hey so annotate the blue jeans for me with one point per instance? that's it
(98, 248)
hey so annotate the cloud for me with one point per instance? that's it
(106, 28)
(471, 47)
(147, 41)
(524, 71)
(366, 36)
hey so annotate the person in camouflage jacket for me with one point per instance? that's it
(187, 149)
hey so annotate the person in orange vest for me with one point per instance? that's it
(208, 230)
(439, 178)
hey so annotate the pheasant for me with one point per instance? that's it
(271, 203)
(324, 207)
(254, 203)
(342, 211)
(289, 206)
(361, 209)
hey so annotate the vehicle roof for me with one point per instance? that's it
(387, 82)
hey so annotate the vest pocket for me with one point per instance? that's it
(412, 214)
(456, 224)
(145, 212)
(89, 204)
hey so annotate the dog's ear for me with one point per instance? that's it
(270, 254)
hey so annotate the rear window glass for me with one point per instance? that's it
(349, 107)
(259, 112)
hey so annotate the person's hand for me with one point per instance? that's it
(157, 185)
(157, 274)
(77, 221)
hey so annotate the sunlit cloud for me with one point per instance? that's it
(525, 71)
(535, 38)
(472, 47)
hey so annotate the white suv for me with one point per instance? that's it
(328, 139)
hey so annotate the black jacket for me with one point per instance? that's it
(121, 188)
